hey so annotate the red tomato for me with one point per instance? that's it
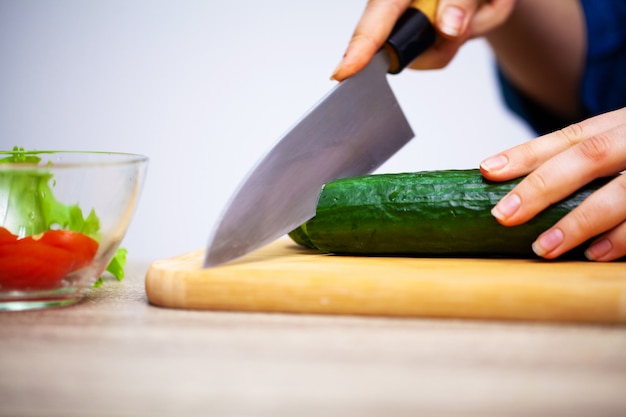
(42, 261)
(6, 236)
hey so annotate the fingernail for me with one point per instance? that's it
(547, 242)
(333, 77)
(452, 21)
(598, 249)
(506, 207)
(494, 163)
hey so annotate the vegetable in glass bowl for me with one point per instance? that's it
(63, 215)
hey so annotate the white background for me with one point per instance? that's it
(204, 88)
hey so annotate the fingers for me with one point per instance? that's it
(491, 15)
(601, 211)
(610, 246)
(455, 23)
(595, 156)
(371, 32)
(454, 17)
(524, 158)
(557, 165)
(438, 55)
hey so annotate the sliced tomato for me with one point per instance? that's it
(42, 261)
(6, 236)
(82, 247)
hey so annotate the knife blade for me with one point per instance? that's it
(353, 130)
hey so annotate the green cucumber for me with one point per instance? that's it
(432, 213)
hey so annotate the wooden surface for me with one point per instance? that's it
(284, 277)
(117, 355)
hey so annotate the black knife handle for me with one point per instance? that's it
(413, 33)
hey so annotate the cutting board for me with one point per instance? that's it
(283, 277)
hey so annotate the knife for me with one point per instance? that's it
(353, 130)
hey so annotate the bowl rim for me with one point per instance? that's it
(120, 158)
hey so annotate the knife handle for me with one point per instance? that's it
(427, 7)
(413, 33)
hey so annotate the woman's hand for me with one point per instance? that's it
(557, 165)
(456, 22)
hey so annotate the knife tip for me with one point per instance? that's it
(217, 255)
(211, 260)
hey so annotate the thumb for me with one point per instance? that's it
(454, 17)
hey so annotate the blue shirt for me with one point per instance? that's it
(603, 85)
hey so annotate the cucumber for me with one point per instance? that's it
(431, 213)
(300, 236)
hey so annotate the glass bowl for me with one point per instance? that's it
(63, 215)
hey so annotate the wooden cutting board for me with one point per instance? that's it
(283, 277)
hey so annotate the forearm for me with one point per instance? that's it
(541, 50)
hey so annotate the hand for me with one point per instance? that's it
(457, 21)
(557, 165)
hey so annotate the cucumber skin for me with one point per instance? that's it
(300, 236)
(431, 213)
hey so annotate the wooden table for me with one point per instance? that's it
(116, 355)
